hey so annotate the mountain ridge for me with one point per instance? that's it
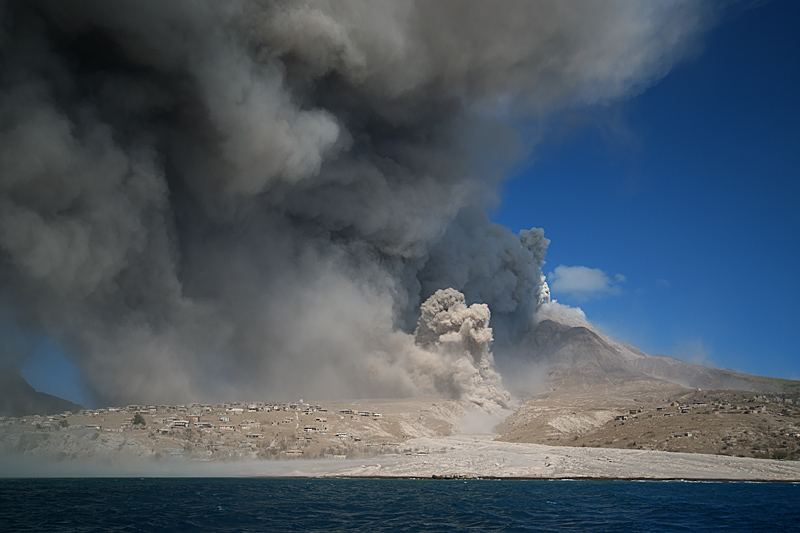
(18, 398)
(580, 355)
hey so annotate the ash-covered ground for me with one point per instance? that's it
(555, 435)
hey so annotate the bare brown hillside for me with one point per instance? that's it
(656, 415)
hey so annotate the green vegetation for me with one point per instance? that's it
(138, 419)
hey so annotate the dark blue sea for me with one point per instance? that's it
(236, 504)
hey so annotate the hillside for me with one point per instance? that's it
(18, 398)
(580, 356)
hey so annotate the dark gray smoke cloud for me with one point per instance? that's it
(204, 199)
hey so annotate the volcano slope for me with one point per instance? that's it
(602, 393)
(580, 356)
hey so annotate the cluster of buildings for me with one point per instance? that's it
(710, 406)
(290, 429)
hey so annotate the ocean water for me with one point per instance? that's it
(248, 504)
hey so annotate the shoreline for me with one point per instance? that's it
(584, 478)
(457, 457)
(419, 478)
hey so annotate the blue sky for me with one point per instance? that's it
(686, 198)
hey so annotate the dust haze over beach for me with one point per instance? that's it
(207, 200)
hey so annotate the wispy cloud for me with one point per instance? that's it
(693, 351)
(584, 283)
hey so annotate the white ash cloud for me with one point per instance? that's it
(563, 314)
(204, 200)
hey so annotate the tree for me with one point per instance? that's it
(138, 419)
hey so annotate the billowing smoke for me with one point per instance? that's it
(204, 200)
(461, 336)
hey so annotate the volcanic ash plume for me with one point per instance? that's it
(461, 336)
(204, 200)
